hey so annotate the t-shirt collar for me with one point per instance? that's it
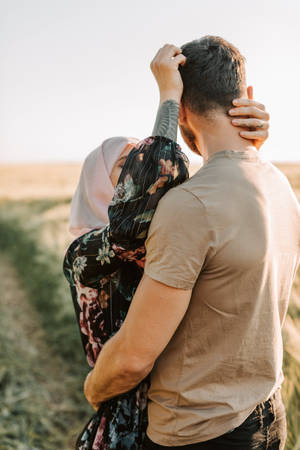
(249, 154)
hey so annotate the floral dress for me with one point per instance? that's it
(104, 268)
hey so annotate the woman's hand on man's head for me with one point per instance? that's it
(253, 117)
(164, 67)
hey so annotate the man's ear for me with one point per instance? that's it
(182, 114)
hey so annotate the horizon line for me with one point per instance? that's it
(54, 162)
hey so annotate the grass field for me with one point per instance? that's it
(42, 366)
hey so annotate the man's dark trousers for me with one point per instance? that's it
(264, 429)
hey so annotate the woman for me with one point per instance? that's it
(105, 265)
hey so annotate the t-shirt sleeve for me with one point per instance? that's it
(178, 240)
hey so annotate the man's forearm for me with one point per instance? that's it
(114, 373)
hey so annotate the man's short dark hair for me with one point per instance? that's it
(213, 75)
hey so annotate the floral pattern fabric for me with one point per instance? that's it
(104, 267)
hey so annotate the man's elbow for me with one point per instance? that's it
(135, 367)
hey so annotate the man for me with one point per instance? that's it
(222, 252)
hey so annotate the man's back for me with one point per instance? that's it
(232, 232)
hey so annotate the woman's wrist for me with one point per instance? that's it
(172, 95)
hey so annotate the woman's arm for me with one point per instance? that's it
(166, 123)
(151, 169)
(88, 255)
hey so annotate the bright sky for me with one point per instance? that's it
(75, 72)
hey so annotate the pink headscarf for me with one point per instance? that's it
(89, 207)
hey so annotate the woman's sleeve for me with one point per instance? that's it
(153, 167)
(90, 258)
(156, 165)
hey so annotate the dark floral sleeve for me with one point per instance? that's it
(151, 169)
(91, 258)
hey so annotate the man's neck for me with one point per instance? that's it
(220, 135)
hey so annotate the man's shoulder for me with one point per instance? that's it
(280, 175)
(181, 197)
(179, 209)
(282, 184)
(193, 191)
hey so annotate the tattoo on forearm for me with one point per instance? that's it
(166, 122)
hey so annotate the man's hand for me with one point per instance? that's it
(252, 116)
(164, 67)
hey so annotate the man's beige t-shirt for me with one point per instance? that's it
(232, 233)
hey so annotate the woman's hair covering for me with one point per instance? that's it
(94, 192)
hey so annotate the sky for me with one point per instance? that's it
(74, 73)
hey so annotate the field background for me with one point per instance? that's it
(42, 366)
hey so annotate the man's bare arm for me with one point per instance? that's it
(153, 317)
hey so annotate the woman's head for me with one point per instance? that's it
(98, 179)
(115, 166)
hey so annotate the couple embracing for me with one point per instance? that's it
(181, 285)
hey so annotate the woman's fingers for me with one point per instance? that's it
(251, 123)
(251, 115)
(248, 102)
(171, 50)
(257, 135)
(179, 59)
(252, 111)
(166, 52)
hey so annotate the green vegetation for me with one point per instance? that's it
(41, 359)
(42, 363)
(291, 397)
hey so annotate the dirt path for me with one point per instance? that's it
(26, 329)
(40, 385)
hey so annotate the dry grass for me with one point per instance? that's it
(37, 181)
